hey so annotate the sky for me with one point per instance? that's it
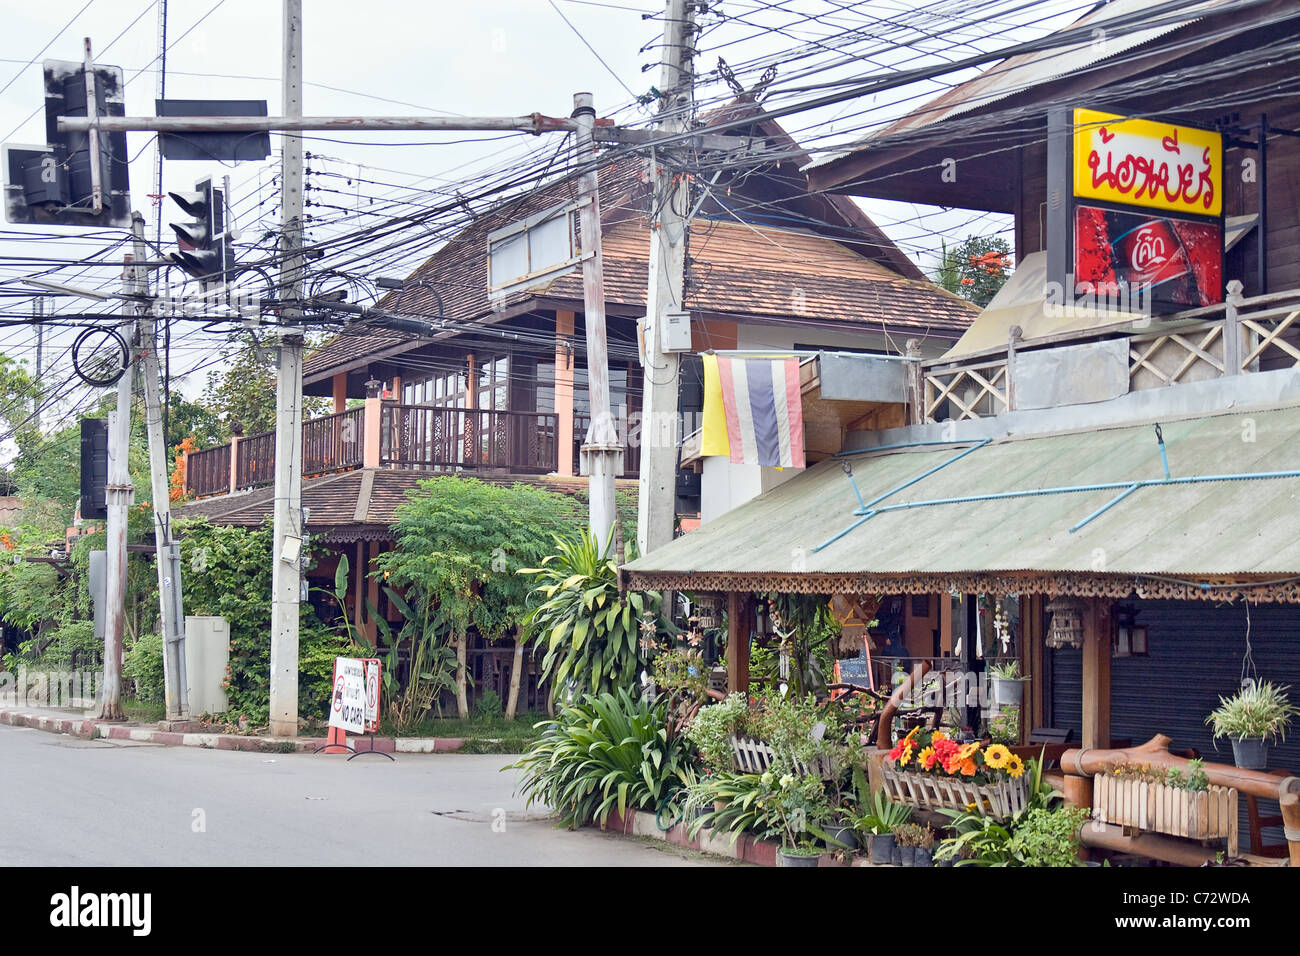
(488, 57)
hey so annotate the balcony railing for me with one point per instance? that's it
(631, 453)
(434, 438)
(1236, 337)
(333, 443)
(255, 461)
(207, 472)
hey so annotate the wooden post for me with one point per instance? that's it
(371, 426)
(1033, 664)
(358, 612)
(1290, 803)
(915, 383)
(234, 462)
(740, 616)
(1232, 330)
(1012, 339)
(339, 385)
(564, 392)
(1096, 674)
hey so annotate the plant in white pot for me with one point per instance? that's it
(1008, 684)
(1253, 718)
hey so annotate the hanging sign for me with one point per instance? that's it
(348, 699)
(1138, 162)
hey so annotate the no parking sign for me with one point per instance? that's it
(371, 665)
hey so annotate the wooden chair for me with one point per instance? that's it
(1257, 824)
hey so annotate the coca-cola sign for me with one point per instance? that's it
(1180, 261)
(1149, 163)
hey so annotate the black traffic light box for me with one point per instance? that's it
(206, 252)
(94, 468)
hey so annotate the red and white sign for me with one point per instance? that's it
(371, 665)
(348, 699)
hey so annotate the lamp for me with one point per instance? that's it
(1066, 629)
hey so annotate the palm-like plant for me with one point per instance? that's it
(608, 752)
(588, 630)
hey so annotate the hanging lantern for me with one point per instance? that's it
(1066, 629)
(707, 607)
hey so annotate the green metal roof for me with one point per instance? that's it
(1200, 530)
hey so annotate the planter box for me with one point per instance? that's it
(1200, 815)
(1001, 800)
(756, 756)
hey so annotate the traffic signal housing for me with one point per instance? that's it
(205, 252)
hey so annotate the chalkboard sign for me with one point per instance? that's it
(855, 671)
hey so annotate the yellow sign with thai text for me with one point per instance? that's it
(1147, 163)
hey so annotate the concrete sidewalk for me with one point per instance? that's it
(75, 723)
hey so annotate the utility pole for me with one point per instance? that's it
(286, 578)
(167, 553)
(38, 309)
(657, 488)
(602, 450)
(118, 494)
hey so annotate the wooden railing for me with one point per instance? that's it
(434, 438)
(333, 443)
(255, 461)
(207, 472)
(1235, 337)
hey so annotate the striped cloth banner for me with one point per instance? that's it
(762, 408)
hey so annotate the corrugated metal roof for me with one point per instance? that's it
(1018, 73)
(1238, 527)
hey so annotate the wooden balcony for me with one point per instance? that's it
(387, 435)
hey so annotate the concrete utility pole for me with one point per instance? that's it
(167, 553)
(38, 309)
(602, 451)
(657, 490)
(118, 495)
(286, 576)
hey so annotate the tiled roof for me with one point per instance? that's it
(332, 501)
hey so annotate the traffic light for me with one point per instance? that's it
(94, 468)
(74, 179)
(206, 252)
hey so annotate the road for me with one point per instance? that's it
(72, 802)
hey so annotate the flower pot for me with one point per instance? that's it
(798, 859)
(719, 805)
(905, 856)
(1007, 691)
(922, 857)
(1250, 754)
(880, 847)
(841, 837)
(896, 855)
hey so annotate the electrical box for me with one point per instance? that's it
(207, 652)
(675, 333)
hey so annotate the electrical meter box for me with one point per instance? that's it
(676, 332)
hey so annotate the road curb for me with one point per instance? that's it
(89, 729)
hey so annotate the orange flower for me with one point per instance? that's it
(967, 768)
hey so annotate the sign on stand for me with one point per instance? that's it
(348, 700)
(371, 665)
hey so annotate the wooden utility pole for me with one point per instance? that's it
(118, 495)
(657, 490)
(602, 451)
(286, 577)
(167, 555)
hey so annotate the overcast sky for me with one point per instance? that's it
(383, 57)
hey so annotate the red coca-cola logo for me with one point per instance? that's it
(1149, 249)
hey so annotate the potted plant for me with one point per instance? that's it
(1008, 685)
(801, 811)
(908, 837)
(878, 826)
(922, 852)
(1048, 837)
(1253, 718)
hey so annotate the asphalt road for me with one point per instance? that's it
(71, 802)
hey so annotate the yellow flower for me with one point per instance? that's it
(972, 807)
(926, 758)
(906, 756)
(938, 735)
(1015, 766)
(996, 756)
(968, 751)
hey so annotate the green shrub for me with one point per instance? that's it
(608, 752)
(1048, 837)
(488, 704)
(142, 664)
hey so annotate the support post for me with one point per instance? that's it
(669, 229)
(286, 574)
(118, 495)
(1232, 329)
(602, 451)
(1096, 675)
(167, 555)
(740, 621)
(564, 392)
(1013, 339)
(915, 383)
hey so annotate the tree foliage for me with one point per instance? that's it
(975, 268)
(242, 391)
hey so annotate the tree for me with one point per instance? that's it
(975, 269)
(460, 545)
(242, 391)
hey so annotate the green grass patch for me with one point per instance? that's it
(144, 711)
(483, 735)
